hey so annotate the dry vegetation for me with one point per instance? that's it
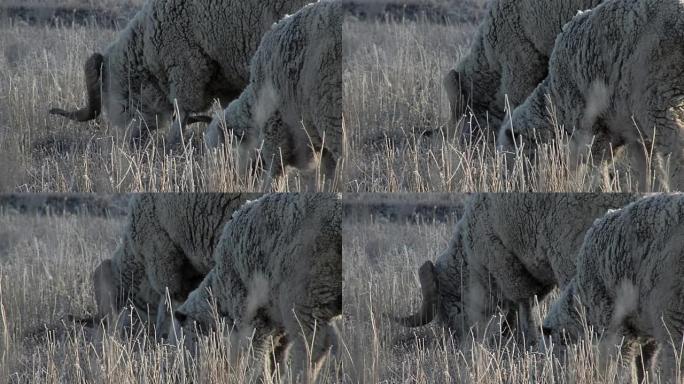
(45, 266)
(396, 112)
(42, 67)
(381, 258)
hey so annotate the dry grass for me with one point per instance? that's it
(381, 258)
(41, 67)
(45, 266)
(393, 96)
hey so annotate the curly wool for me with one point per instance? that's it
(188, 52)
(278, 278)
(509, 248)
(508, 57)
(294, 99)
(629, 283)
(614, 82)
(167, 246)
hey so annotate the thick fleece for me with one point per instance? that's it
(507, 249)
(629, 284)
(187, 52)
(614, 80)
(277, 279)
(508, 58)
(293, 104)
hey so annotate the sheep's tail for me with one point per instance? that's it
(428, 309)
(93, 72)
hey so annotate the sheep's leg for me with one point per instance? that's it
(669, 143)
(677, 166)
(328, 169)
(258, 339)
(671, 371)
(277, 149)
(163, 322)
(310, 351)
(277, 361)
(527, 324)
(330, 127)
(175, 134)
(639, 166)
(514, 282)
(644, 361)
(620, 341)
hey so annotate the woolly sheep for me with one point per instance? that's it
(296, 79)
(278, 279)
(629, 283)
(507, 249)
(508, 57)
(612, 68)
(188, 52)
(167, 246)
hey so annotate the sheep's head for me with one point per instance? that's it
(428, 309)
(93, 79)
(124, 93)
(234, 128)
(442, 286)
(197, 316)
(563, 323)
(470, 107)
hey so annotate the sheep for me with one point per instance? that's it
(613, 82)
(277, 279)
(629, 283)
(296, 79)
(167, 248)
(174, 51)
(508, 58)
(507, 249)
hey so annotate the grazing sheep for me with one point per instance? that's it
(508, 57)
(278, 279)
(507, 249)
(293, 104)
(613, 80)
(629, 283)
(188, 52)
(167, 247)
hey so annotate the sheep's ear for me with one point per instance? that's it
(105, 289)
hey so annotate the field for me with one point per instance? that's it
(45, 283)
(41, 67)
(397, 118)
(381, 255)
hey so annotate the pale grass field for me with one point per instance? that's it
(393, 94)
(41, 68)
(45, 267)
(381, 259)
